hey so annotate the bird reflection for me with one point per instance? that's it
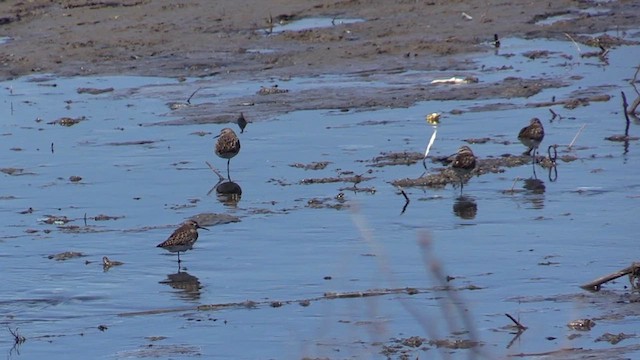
(536, 188)
(108, 264)
(465, 207)
(552, 150)
(229, 192)
(188, 285)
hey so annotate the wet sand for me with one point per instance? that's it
(231, 39)
(235, 41)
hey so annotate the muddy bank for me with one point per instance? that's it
(236, 40)
(199, 38)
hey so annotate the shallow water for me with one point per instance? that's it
(526, 252)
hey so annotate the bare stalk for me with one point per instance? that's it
(576, 137)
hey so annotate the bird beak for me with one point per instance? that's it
(217, 136)
(200, 227)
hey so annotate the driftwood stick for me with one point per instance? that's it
(634, 106)
(518, 324)
(406, 200)
(626, 115)
(193, 93)
(593, 98)
(215, 171)
(597, 283)
(547, 353)
(576, 137)
(249, 304)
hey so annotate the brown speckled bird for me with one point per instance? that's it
(463, 163)
(182, 238)
(227, 146)
(531, 136)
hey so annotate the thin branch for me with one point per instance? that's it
(632, 109)
(17, 338)
(215, 171)
(431, 141)
(634, 80)
(573, 41)
(518, 324)
(515, 181)
(406, 198)
(189, 99)
(576, 137)
(626, 116)
(597, 283)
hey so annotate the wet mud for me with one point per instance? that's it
(92, 191)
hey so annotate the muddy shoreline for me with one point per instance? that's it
(198, 39)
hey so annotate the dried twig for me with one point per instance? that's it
(555, 115)
(634, 80)
(518, 324)
(515, 181)
(189, 98)
(215, 171)
(406, 198)
(571, 103)
(631, 270)
(626, 116)
(576, 137)
(573, 41)
(250, 304)
(17, 338)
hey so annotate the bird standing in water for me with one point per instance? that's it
(531, 136)
(464, 161)
(182, 238)
(227, 146)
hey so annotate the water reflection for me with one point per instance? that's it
(188, 285)
(108, 264)
(553, 173)
(552, 151)
(465, 207)
(536, 188)
(229, 192)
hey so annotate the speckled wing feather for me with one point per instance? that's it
(185, 235)
(464, 159)
(532, 135)
(228, 144)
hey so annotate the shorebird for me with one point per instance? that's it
(242, 122)
(182, 238)
(531, 136)
(227, 146)
(463, 163)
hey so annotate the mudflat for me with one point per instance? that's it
(232, 38)
(226, 40)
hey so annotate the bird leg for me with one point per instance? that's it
(228, 174)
